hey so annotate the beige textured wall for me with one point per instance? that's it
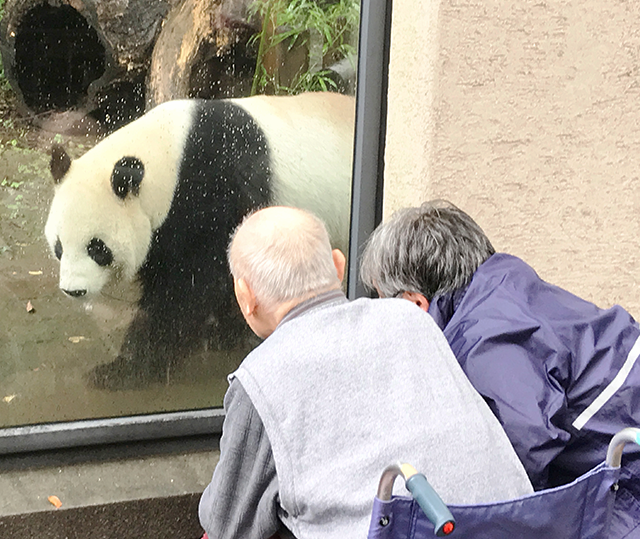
(526, 114)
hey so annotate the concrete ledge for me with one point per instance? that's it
(173, 517)
(121, 491)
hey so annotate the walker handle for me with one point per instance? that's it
(616, 446)
(423, 493)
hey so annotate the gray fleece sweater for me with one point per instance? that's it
(345, 388)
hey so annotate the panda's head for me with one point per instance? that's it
(97, 226)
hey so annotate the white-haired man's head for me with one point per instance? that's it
(280, 256)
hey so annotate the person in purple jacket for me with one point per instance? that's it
(561, 374)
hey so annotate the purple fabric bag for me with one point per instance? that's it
(583, 509)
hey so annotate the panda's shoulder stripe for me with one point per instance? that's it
(223, 114)
(224, 172)
(225, 161)
(227, 142)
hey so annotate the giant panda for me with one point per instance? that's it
(157, 200)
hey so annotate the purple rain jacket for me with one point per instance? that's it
(560, 374)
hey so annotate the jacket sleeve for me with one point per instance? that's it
(242, 498)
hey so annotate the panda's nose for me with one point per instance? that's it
(75, 293)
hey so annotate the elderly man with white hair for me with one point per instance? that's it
(336, 392)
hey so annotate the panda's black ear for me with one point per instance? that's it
(127, 176)
(59, 163)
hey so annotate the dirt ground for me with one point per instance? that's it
(48, 341)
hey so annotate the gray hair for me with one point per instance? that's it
(433, 249)
(282, 262)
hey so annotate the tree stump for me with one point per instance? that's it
(203, 51)
(91, 55)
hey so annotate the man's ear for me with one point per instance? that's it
(340, 262)
(418, 299)
(245, 297)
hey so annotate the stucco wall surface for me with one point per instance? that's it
(526, 114)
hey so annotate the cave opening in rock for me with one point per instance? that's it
(57, 56)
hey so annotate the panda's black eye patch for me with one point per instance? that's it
(127, 176)
(99, 252)
(57, 249)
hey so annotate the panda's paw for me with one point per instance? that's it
(125, 373)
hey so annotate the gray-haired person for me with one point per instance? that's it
(560, 374)
(336, 392)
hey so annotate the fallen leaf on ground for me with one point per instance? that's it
(9, 398)
(54, 500)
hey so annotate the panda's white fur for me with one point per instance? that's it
(306, 162)
(325, 191)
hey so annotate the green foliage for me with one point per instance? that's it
(8, 183)
(12, 133)
(291, 24)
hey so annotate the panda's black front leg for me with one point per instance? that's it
(154, 347)
(140, 362)
(175, 318)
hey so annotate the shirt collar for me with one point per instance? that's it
(444, 306)
(321, 300)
